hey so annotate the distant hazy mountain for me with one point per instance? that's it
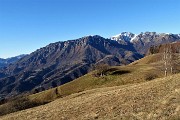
(6, 62)
(61, 62)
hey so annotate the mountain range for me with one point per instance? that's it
(11, 60)
(135, 91)
(62, 62)
(143, 41)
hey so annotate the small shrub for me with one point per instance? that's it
(2, 101)
(101, 70)
(17, 104)
(149, 77)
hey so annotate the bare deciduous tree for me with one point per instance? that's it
(166, 59)
(101, 69)
(171, 58)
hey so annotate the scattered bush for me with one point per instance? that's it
(2, 101)
(17, 104)
(151, 76)
(101, 69)
(104, 69)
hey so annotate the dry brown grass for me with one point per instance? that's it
(157, 99)
(17, 104)
(122, 75)
(130, 84)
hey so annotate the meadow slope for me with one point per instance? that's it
(152, 100)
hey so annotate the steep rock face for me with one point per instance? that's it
(61, 62)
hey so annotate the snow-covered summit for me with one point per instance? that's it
(124, 36)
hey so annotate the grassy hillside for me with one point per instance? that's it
(152, 100)
(141, 71)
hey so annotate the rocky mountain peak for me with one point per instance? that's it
(91, 37)
(124, 36)
(143, 36)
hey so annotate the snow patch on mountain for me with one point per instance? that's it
(124, 36)
(132, 39)
(178, 35)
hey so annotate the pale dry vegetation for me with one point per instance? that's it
(139, 71)
(135, 91)
(17, 104)
(157, 99)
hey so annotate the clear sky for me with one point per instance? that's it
(26, 25)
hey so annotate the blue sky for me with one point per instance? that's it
(26, 25)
